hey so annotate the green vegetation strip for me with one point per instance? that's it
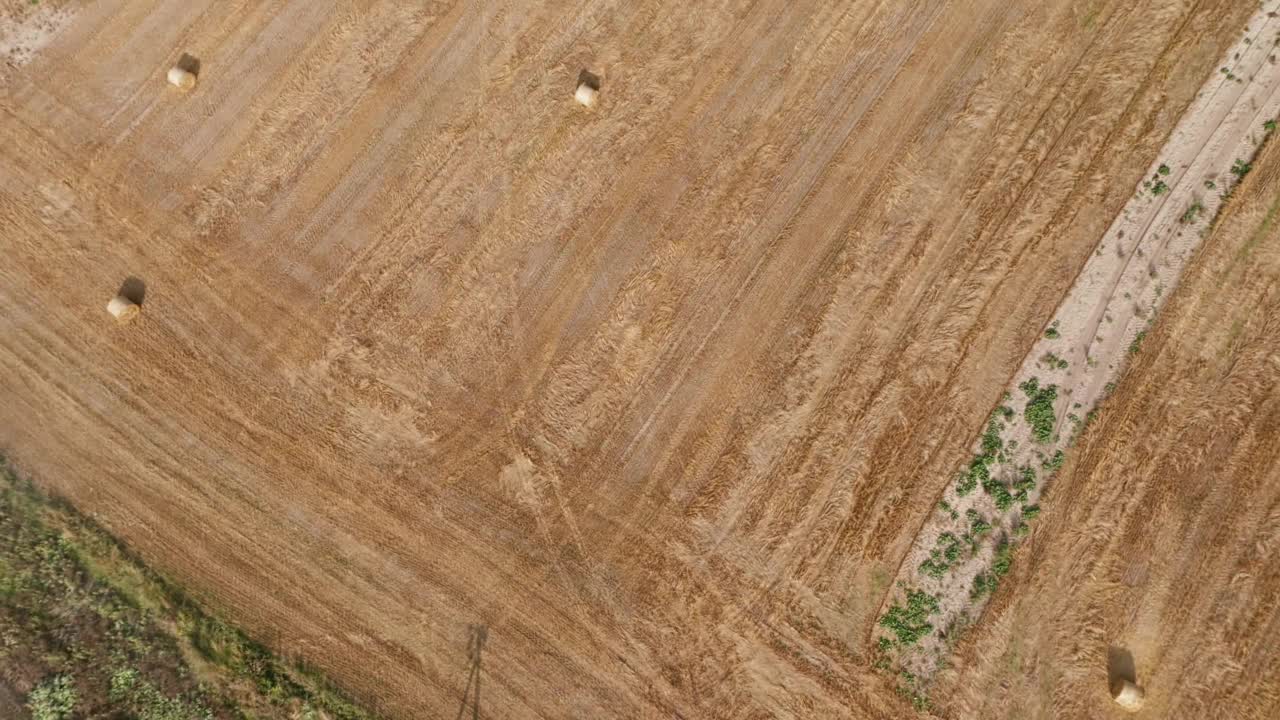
(88, 632)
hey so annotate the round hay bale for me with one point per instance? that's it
(586, 95)
(123, 309)
(181, 78)
(1127, 695)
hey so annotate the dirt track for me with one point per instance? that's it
(659, 392)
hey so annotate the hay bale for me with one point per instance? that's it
(181, 78)
(123, 309)
(586, 94)
(1127, 695)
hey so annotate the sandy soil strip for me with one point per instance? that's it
(957, 556)
(26, 28)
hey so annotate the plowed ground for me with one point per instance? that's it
(658, 393)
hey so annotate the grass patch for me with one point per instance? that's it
(96, 633)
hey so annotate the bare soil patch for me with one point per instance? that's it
(26, 27)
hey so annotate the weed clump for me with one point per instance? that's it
(1039, 408)
(979, 471)
(999, 494)
(1004, 558)
(983, 584)
(909, 623)
(942, 557)
(1055, 462)
(1137, 342)
(1192, 213)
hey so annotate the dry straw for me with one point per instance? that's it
(586, 95)
(181, 78)
(123, 309)
(1127, 695)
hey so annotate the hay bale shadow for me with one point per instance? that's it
(190, 64)
(134, 290)
(1120, 667)
(590, 79)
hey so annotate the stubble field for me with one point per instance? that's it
(652, 397)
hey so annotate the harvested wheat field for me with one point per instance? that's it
(486, 394)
